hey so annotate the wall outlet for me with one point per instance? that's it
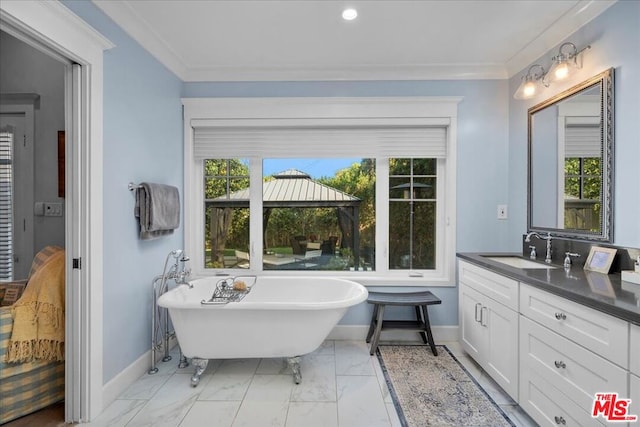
(502, 211)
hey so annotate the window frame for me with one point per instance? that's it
(425, 111)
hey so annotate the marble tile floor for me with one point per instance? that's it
(341, 386)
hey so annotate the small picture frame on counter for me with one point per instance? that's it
(600, 259)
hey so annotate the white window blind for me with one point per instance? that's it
(314, 141)
(583, 141)
(6, 206)
(583, 137)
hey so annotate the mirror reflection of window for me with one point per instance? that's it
(582, 169)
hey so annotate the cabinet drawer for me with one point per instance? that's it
(572, 369)
(548, 406)
(603, 334)
(498, 288)
(634, 352)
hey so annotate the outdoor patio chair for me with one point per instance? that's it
(309, 255)
(243, 259)
(298, 244)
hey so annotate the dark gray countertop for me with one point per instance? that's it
(602, 292)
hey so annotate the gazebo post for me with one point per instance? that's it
(356, 236)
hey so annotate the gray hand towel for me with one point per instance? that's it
(158, 208)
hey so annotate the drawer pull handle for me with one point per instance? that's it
(561, 316)
(560, 364)
(559, 420)
(483, 317)
(478, 316)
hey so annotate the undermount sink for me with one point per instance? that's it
(516, 262)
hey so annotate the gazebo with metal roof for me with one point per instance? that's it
(294, 188)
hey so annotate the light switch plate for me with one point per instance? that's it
(502, 211)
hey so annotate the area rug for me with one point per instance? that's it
(430, 390)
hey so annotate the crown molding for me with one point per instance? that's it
(369, 73)
(135, 26)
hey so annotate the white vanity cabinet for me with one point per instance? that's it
(549, 353)
(568, 353)
(489, 323)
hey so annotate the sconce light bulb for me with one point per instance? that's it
(562, 71)
(529, 89)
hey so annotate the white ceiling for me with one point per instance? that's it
(261, 40)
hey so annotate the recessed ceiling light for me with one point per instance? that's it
(349, 14)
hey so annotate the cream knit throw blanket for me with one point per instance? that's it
(38, 316)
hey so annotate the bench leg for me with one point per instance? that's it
(376, 335)
(419, 318)
(427, 326)
(373, 321)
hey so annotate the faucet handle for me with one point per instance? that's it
(568, 256)
(533, 253)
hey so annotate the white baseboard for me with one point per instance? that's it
(117, 385)
(359, 332)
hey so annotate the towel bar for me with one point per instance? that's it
(133, 186)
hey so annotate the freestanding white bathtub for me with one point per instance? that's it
(279, 317)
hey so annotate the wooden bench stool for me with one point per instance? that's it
(420, 300)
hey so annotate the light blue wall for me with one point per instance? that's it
(614, 37)
(482, 156)
(142, 142)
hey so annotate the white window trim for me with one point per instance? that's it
(435, 111)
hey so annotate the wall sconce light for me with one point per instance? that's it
(531, 84)
(563, 65)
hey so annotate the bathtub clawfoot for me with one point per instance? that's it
(294, 363)
(183, 360)
(201, 365)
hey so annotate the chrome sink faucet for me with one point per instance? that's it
(548, 238)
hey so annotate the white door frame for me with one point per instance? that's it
(54, 29)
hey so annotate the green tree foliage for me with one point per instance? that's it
(359, 180)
